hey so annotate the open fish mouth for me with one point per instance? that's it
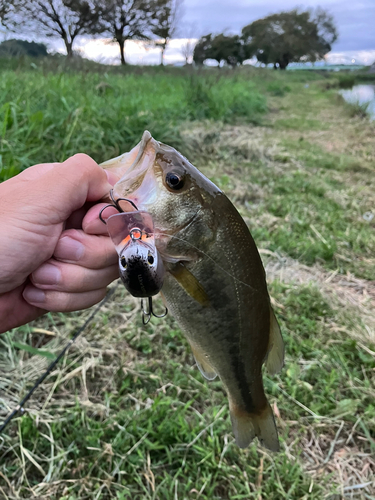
(138, 183)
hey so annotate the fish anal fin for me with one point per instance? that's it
(204, 366)
(190, 283)
(275, 357)
(248, 425)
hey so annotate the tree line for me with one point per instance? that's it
(154, 21)
(278, 39)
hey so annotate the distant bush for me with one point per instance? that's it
(17, 48)
(346, 81)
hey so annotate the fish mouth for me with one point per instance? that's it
(138, 184)
(146, 137)
(142, 162)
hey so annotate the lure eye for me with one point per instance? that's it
(150, 259)
(174, 181)
(123, 262)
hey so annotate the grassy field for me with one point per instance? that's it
(126, 414)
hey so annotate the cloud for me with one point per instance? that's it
(355, 19)
(366, 57)
(102, 51)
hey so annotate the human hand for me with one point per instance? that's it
(54, 256)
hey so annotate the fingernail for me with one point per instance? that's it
(34, 295)
(47, 275)
(69, 249)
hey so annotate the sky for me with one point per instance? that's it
(355, 20)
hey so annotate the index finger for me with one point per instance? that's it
(92, 224)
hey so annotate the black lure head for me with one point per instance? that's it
(141, 268)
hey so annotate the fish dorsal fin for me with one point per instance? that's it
(275, 358)
(190, 283)
(204, 366)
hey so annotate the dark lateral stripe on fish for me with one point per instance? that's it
(243, 383)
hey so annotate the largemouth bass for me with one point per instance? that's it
(215, 282)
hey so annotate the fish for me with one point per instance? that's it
(214, 284)
(140, 265)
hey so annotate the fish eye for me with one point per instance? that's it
(174, 180)
(150, 259)
(123, 262)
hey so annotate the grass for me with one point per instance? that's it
(50, 118)
(126, 414)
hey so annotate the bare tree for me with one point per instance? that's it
(190, 41)
(187, 49)
(126, 20)
(166, 26)
(7, 11)
(63, 18)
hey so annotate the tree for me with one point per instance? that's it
(63, 18)
(230, 49)
(166, 23)
(202, 48)
(8, 9)
(126, 20)
(292, 36)
(16, 48)
(187, 49)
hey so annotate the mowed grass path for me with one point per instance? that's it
(127, 414)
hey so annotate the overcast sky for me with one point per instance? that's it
(355, 18)
(355, 21)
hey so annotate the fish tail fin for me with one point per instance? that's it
(248, 425)
(275, 358)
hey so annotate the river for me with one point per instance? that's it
(361, 94)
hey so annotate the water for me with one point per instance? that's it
(361, 94)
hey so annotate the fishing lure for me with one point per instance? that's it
(141, 267)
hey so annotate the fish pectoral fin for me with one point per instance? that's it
(204, 366)
(248, 425)
(190, 283)
(275, 357)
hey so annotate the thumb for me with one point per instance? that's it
(67, 186)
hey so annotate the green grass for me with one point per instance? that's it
(126, 414)
(50, 118)
(314, 225)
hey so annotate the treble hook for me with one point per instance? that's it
(115, 205)
(146, 314)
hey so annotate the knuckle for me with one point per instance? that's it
(82, 159)
(83, 162)
(75, 234)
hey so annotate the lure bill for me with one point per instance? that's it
(141, 267)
